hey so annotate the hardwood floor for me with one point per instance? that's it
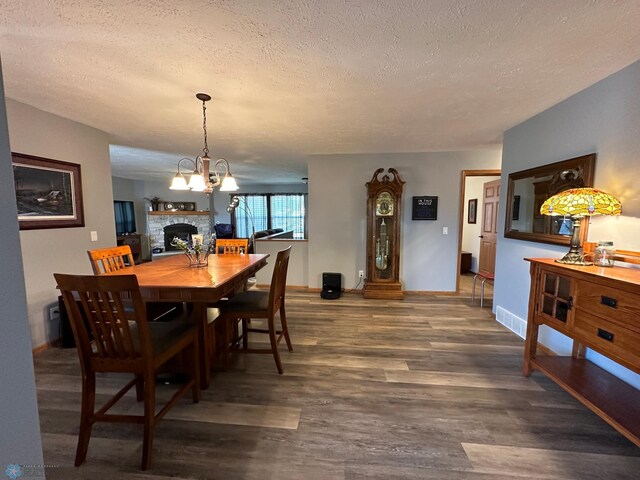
(429, 387)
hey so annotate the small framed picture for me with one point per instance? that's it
(472, 212)
(516, 208)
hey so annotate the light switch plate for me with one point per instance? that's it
(94, 236)
(445, 230)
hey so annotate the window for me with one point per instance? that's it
(125, 217)
(264, 211)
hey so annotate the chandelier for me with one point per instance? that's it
(201, 180)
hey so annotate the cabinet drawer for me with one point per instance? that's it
(618, 305)
(610, 337)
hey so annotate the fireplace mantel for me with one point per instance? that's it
(182, 212)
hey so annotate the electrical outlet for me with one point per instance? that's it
(360, 273)
(54, 313)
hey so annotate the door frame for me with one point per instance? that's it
(463, 178)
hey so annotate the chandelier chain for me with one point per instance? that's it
(205, 150)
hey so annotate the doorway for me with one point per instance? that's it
(470, 221)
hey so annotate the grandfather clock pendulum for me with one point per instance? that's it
(384, 202)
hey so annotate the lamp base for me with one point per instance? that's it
(574, 258)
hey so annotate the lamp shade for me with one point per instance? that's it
(196, 182)
(581, 202)
(229, 184)
(179, 183)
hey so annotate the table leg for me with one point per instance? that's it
(200, 317)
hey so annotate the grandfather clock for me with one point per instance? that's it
(384, 210)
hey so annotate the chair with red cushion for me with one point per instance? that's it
(486, 277)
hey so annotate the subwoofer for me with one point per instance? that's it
(331, 285)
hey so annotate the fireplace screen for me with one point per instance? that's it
(181, 230)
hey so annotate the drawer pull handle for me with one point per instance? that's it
(608, 336)
(608, 301)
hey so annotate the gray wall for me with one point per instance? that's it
(604, 118)
(337, 214)
(19, 427)
(44, 252)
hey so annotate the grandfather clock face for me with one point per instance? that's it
(384, 205)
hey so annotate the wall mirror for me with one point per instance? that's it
(528, 189)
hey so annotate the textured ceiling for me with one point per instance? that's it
(295, 78)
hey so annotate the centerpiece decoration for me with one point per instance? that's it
(195, 250)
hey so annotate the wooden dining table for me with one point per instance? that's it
(171, 279)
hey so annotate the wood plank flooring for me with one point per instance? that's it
(425, 388)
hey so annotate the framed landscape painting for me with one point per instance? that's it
(48, 192)
(472, 211)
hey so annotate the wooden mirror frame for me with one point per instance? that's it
(586, 163)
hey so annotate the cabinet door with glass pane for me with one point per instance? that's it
(555, 298)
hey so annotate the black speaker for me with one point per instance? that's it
(66, 334)
(331, 285)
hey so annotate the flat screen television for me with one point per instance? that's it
(125, 217)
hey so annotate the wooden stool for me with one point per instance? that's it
(486, 277)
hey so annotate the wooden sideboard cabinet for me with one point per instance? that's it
(134, 241)
(599, 308)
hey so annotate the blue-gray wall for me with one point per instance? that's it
(604, 118)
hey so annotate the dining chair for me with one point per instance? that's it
(232, 245)
(112, 259)
(106, 260)
(119, 345)
(252, 304)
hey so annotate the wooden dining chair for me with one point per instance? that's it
(253, 304)
(139, 347)
(106, 260)
(112, 259)
(232, 245)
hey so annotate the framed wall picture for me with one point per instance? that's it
(472, 211)
(424, 208)
(48, 192)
